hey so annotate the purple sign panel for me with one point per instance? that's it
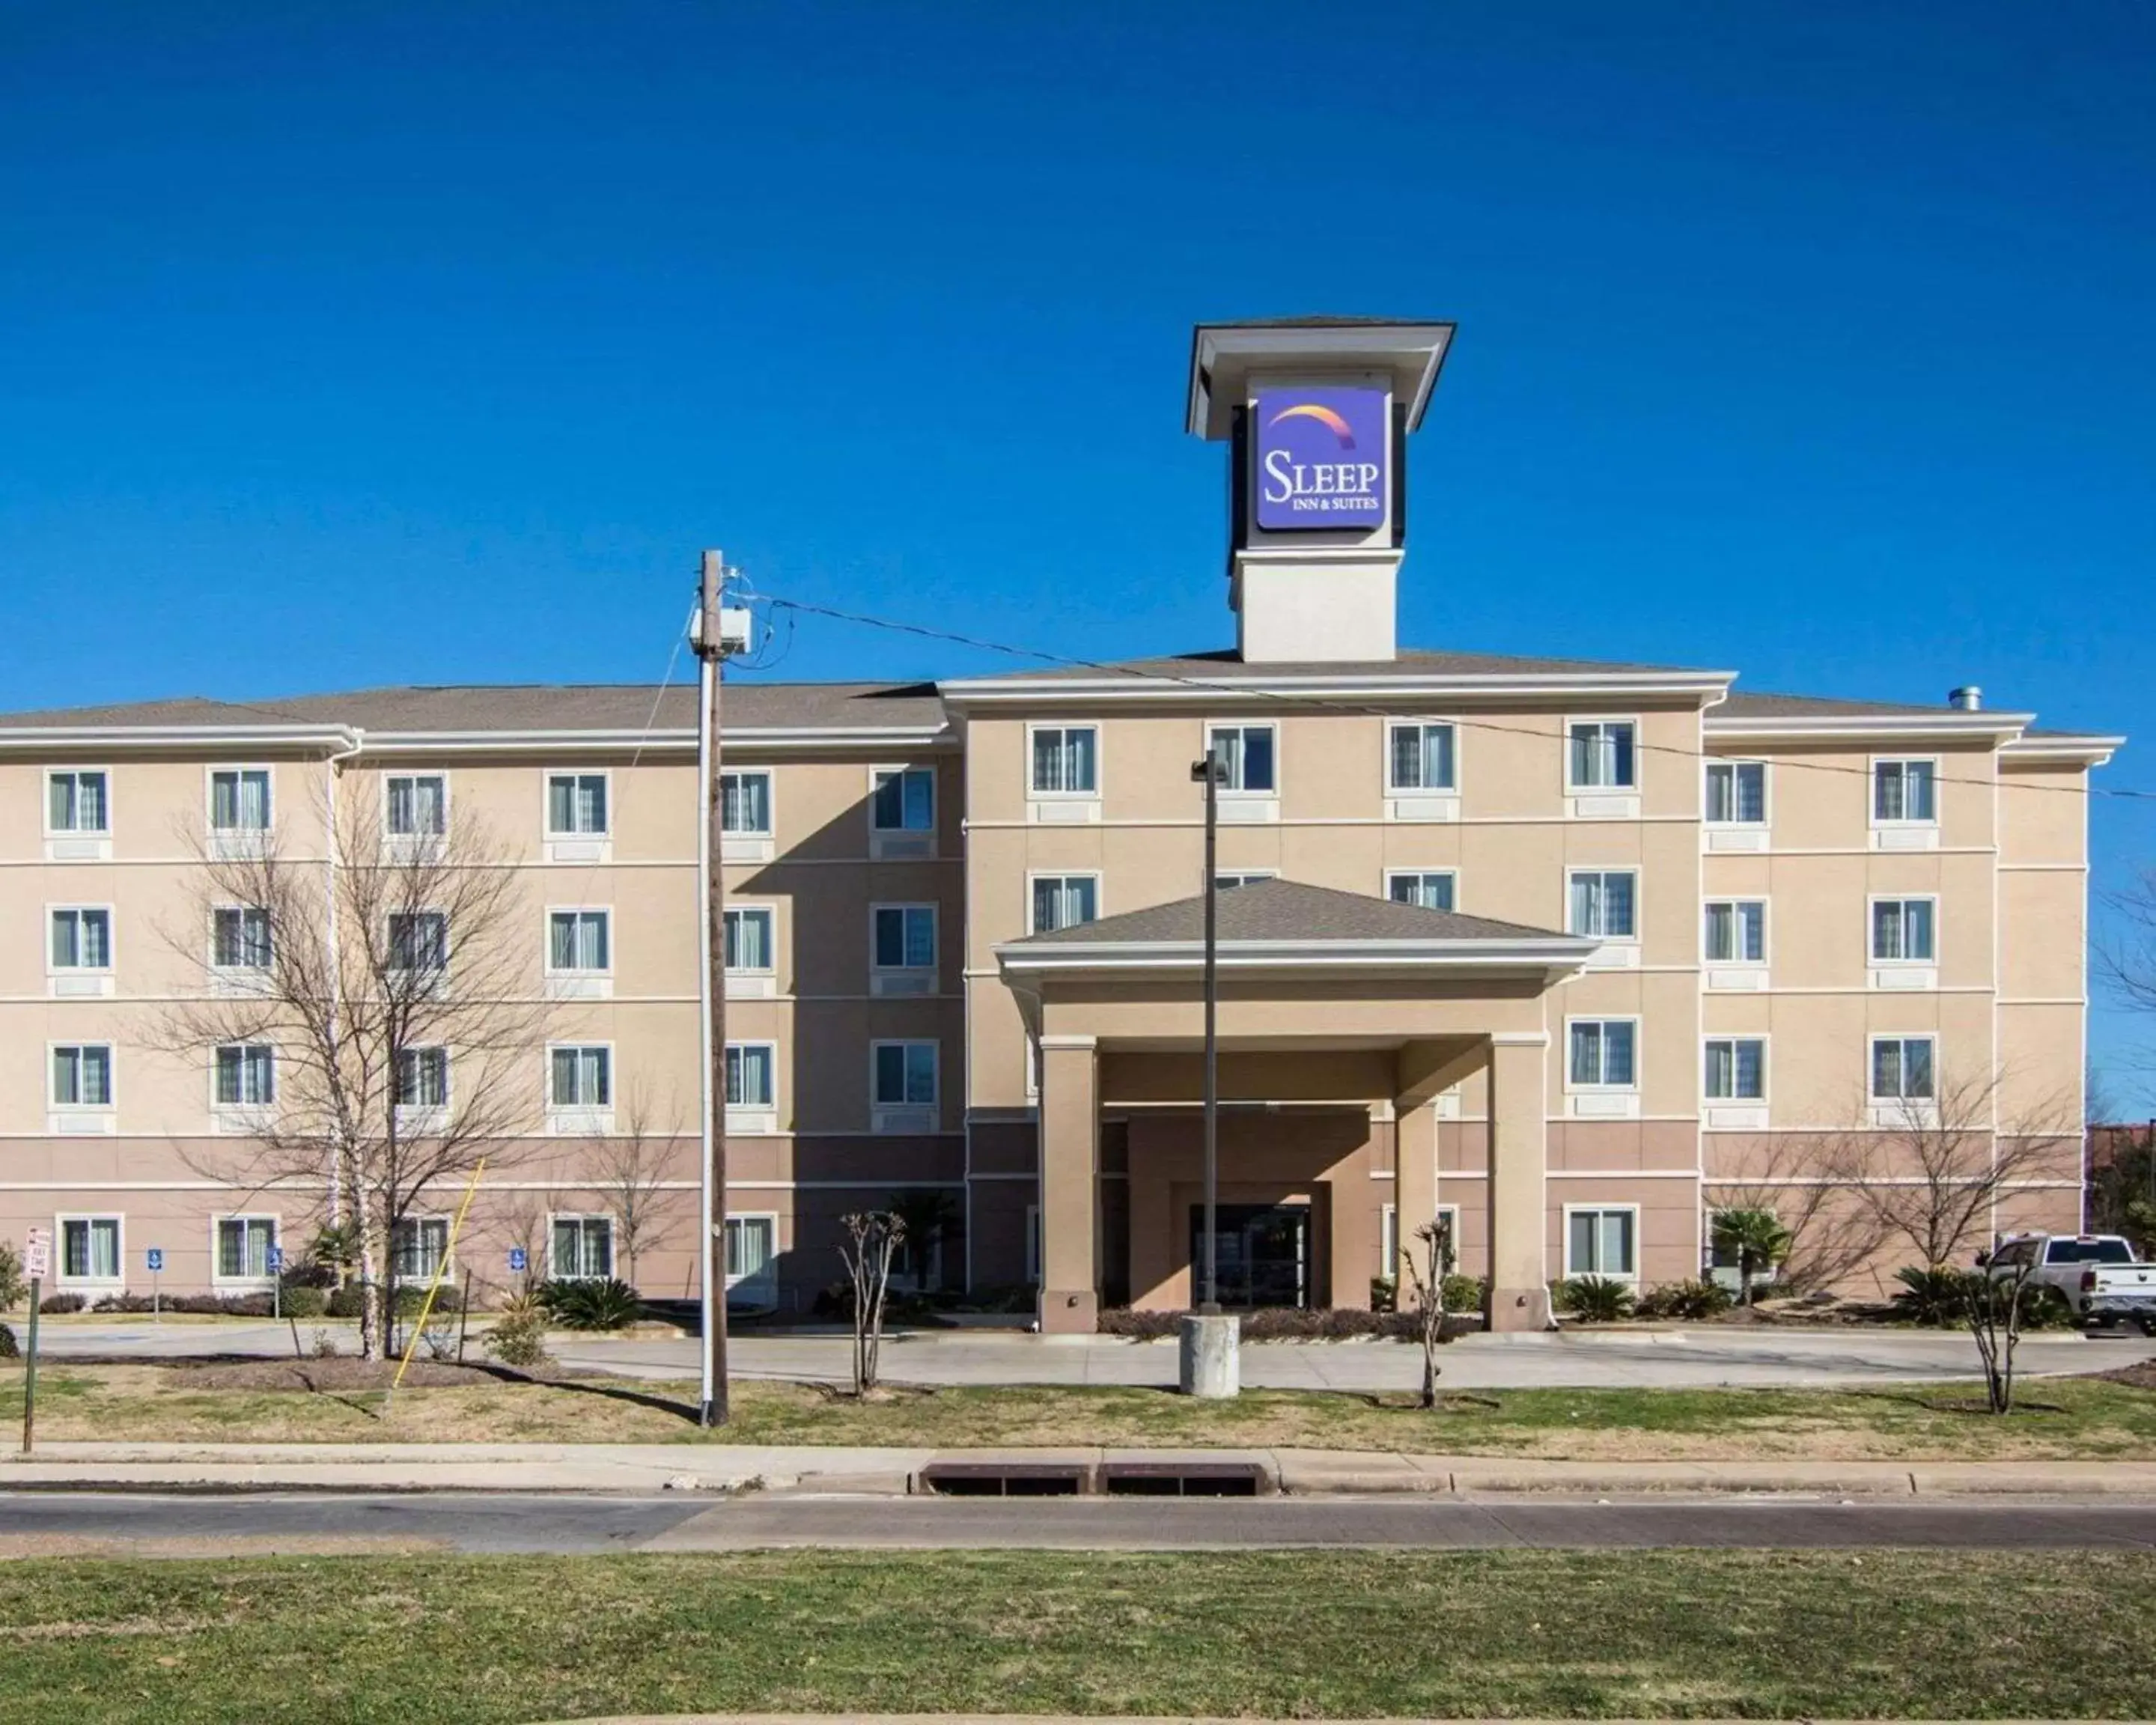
(1323, 459)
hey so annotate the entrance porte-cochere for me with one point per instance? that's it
(1342, 1022)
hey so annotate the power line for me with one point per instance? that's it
(1246, 691)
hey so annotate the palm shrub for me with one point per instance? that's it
(590, 1304)
(1692, 1298)
(1932, 1297)
(1596, 1299)
(1756, 1238)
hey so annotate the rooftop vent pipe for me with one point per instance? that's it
(1968, 699)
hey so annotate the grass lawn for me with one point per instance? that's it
(2065, 1417)
(1449, 1636)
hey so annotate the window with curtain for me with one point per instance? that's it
(1420, 757)
(576, 804)
(905, 1074)
(1901, 931)
(1433, 889)
(1600, 1242)
(1904, 791)
(89, 1248)
(82, 1074)
(1603, 754)
(418, 941)
(75, 802)
(745, 802)
(1736, 1069)
(1901, 1069)
(903, 800)
(1736, 930)
(583, 1248)
(1223, 880)
(1602, 1051)
(82, 939)
(580, 1077)
(579, 940)
(904, 938)
(1736, 793)
(423, 1078)
(416, 805)
(239, 800)
(1064, 902)
(239, 938)
(1064, 760)
(1245, 752)
(246, 1076)
(751, 1245)
(419, 1247)
(749, 1074)
(749, 938)
(1602, 903)
(244, 1245)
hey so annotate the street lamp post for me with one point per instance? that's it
(1211, 1363)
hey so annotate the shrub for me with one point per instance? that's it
(1693, 1297)
(13, 1289)
(1464, 1293)
(594, 1304)
(1270, 1323)
(519, 1336)
(1384, 1294)
(53, 1304)
(309, 1273)
(342, 1303)
(8, 1348)
(1595, 1299)
(1930, 1297)
(305, 1301)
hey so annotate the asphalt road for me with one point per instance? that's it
(33, 1524)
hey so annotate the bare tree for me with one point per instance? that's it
(631, 1169)
(1426, 1280)
(1992, 1304)
(1933, 1173)
(1807, 1184)
(874, 1237)
(392, 981)
(2126, 957)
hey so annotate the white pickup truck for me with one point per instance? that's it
(2095, 1274)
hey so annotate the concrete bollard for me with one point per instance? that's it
(1211, 1356)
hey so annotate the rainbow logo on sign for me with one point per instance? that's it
(1323, 415)
(1323, 460)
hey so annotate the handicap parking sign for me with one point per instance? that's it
(276, 1259)
(517, 1259)
(157, 1257)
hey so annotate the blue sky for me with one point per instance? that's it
(351, 345)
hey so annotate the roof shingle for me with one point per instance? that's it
(1289, 910)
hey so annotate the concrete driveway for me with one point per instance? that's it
(1592, 1359)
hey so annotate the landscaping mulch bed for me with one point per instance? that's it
(347, 1371)
(2140, 1375)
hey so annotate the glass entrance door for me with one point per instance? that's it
(1263, 1254)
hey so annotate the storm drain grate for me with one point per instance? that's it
(995, 1479)
(1182, 1479)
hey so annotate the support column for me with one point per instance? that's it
(1519, 1103)
(1414, 1182)
(1070, 1186)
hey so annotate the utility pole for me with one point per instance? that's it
(1210, 1355)
(711, 652)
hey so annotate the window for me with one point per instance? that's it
(416, 805)
(1242, 877)
(239, 800)
(1245, 752)
(1736, 1069)
(419, 1248)
(903, 800)
(1904, 792)
(1433, 889)
(1064, 900)
(1902, 931)
(1602, 903)
(239, 938)
(745, 803)
(577, 804)
(89, 1248)
(904, 938)
(749, 1079)
(1064, 760)
(1736, 931)
(244, 1245)
(1389, 1242)
(1421, 757)
(1736, 793)
(246, 1076)
(1600, 1241)
(76, 802)
(82, 939)
(82, 1074)
(1603, 755)
(581, 940)
(582, 1248)
(418, 941)
(581, 1077)
(1602, 1051)
(1901, 1069)
(423, 1078)
(751, 1245)
(905, 1074)
(749, 938)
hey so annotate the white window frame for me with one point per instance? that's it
(106, 1109)
(1389, 1242)
(1766, 1067)
(1572, 788)
(45, 815)
(1227, 880)
(1392, 787)
(217, 1278)
(769, 1274)
(447, 1269)
(1100, 906)
(1766, 792)
(748, 844)
(1631, 1276)
(747, 1112)
(233, 973)
(1600, 1087)
(413, 840)
(1871, 903)
(61, 1279)
(558, 973)
(1897, 1107)
(1891, 823)
(1392, 875)
(1229, 792)
(441, 972)
(238, 841)
(933, 1045)
(903, 977)
(935, 809)
(101, 974)
(587, 1116)
(1036, 793)
(1765, 959)
(243, 1111)
(769, 910)
(574, 835)
(583, 1219)
(423, 1117)
(1639, 909)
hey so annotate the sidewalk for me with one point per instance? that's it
(641, 1468)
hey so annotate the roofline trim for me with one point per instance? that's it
(799, 738)
(1858, 726)
(1140, 686)
(2090, 750)
(1554, 954)
(173, 736)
